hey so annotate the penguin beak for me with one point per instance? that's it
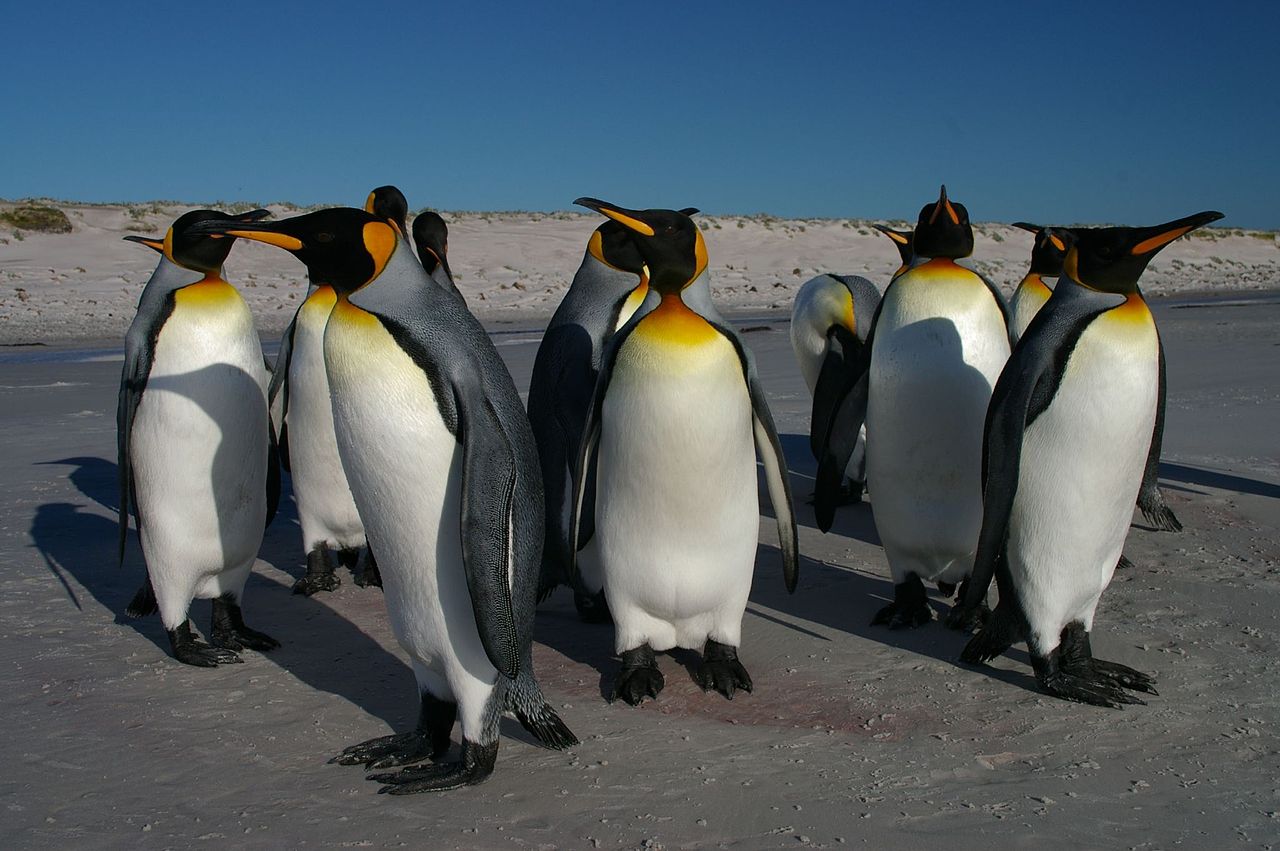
(1027, 226)
(897, 237)
(690, 211)
(157, 244)
(272, 233)
(944, 204)
(1150, 240)
(627, 218)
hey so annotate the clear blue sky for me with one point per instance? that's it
(1119, 112)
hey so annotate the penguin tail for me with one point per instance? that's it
(536, 715)
(144, 602)
(1159, 514)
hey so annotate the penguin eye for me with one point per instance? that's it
(324, 237)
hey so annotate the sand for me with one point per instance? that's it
(517, 266)
(854, 737)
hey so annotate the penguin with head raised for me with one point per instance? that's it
(1066, 443)
(444, 471)
(903, 240)
(1047, 253)
(934, 351)
(330, 523)
(196, 451)
(675, 421)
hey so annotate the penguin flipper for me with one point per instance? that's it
(140, 348)
(279, 387)
(839, 372)
(273, 475)
(489, 491)
(1150, 500)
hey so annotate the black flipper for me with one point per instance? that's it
(488, 506)
(280, 387)
(769, 447)
(1150, 500)
(840, 370)
(273, 473)
(140, 346)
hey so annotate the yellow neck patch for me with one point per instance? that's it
(321, 301)
(1035, 284)
(209, 293)
(673, 322)
(348, 314)
(1133, 311)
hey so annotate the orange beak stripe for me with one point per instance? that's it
(279, 240)
(1149, 245)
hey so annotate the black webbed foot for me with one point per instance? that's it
(476, 764)
(1071, 672)
(190, 651)
(388, 751)
(910, 606)
(1125, 676)
(229, 630)
(370, 576)
(721, 670)
(1095, 690)
(320, 576)
(966, 618)
(592, 608)
(639, 677)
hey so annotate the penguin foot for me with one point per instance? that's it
(388, 751)
(1123, 675)
(639, 677)
(721, 670)
(967, 619)
(370, 576)
(1123, 563)
(1095, 690)
(476, 764)
(190, 651)
(1159, 514)
(592, 608)
(320, 576)
(229, 630)
(910, 606)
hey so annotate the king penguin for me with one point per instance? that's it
(331, 527)
(1033, 292)
(904, 241)
(830, 320)
(1047, 253)
(196, 451)
(444, 471)
(935, 349)
(431, 236)
(676, 418)
(1066, 442)
(608, 288)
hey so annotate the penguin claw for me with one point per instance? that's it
(1123, 675)
(387, 751)
(476, 764)
(1084, 689)
(721, 670)
(635, 684)
(201, 655)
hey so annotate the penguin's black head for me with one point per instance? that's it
(1049, 249)
(343, 247)
(668, 242)
(1112, 259)
(943, 230)
(200, 252)
(431, 236)
(389, 204)
(903, 239)
(612, 245)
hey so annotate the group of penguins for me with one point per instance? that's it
(632, 475)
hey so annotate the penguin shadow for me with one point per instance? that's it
(1212, 479)
(853, 521)
(556, 625)
(319, 646)
(839, 599)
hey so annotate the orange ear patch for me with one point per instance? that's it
(380, 241)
